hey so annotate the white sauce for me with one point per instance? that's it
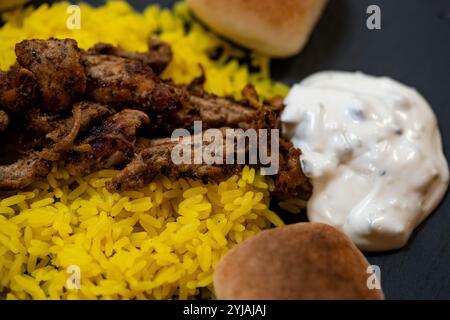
(373, 151)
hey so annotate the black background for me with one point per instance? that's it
(413, 46)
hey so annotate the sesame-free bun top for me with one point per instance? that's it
(299, 261)
(278, 28)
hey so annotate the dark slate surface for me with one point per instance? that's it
(413, 46)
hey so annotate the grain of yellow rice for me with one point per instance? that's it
(162, 241)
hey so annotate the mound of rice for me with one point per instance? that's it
(160, 242)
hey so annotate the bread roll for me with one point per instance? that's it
(299, 261)
(278, 28)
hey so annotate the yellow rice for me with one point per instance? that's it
(159, 242)
(162, 241)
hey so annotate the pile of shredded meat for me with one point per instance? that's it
(108, 108)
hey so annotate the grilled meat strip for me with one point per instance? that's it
(18, 89)
(90, 112)
(217, 112)
(245, 114)
(32, 165)
(124, 82)
(111, 143)
(157, 58)
(66, 131)
(56, 66)
(23, 172)
(290, 180)
(42, 122)
(56, 127)
(154, 157)
(36, 164)
(4, 120)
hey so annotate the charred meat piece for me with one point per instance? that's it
(155, 157)
(251, 96)
(290, 180)
(56, 66)
(23, 172)
(55, 127)
(110, 143)
(4, 120)
(89, 113)
(157, 58)
(216, 112)
(42, 122)
(65, 131)
(18, 90)
(62, 132)
(125, 82)
(160, 55)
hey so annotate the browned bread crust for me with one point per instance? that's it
(299, 261)
(278, 28)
